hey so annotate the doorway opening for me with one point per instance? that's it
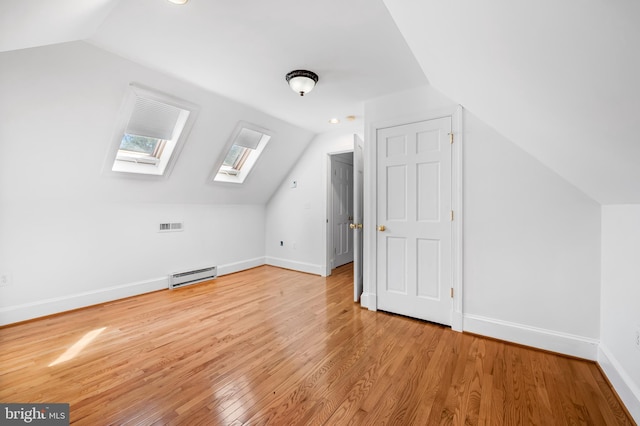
(345, 198)
(340, 209)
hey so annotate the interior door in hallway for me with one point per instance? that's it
(414, 220)
(342, 187)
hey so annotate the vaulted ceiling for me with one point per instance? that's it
(560, 79)
(241, 49)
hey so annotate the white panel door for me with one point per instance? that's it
(414, 220)
(342, 186)
(358, 207)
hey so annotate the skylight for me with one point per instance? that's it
(153, 129)
(140, 149)
(243, 150)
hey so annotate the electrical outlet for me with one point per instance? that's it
(5, 280)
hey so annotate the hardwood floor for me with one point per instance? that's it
(272, 346)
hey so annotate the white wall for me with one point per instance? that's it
(531, 240)
(620, 304)
(297, 216)
(71, 235)
(67, 254)
(532, 244)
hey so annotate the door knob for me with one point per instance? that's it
(381, 228)
(352, 225)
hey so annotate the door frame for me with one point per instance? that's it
(369, 295)
(358, 211)
(329, 213)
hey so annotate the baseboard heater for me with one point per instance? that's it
(182, 279)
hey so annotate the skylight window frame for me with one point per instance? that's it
(139, 165)
(244, 164)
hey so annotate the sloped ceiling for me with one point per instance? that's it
(241, 49)
(33, 23)
(231, 56)
(560, 79)
(59, 110)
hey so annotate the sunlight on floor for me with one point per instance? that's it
(78, 346)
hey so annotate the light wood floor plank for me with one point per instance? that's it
(272, 346)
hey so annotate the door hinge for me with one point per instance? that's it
(451, 292)
(451, 137)
(451, 215)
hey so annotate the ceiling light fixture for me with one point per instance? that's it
(334, 121)
(178, 1)
(302, 81)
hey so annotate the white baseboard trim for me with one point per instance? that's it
(369, 301)
(628, 391)
(296, 266)
(40, 308)
(550, 340)
(456, 321)
(243, 265)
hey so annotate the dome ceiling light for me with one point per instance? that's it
(302, 81)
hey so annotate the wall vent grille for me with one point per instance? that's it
(171, 227)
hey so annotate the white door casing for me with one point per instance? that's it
(358, 208)
(414, 204)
